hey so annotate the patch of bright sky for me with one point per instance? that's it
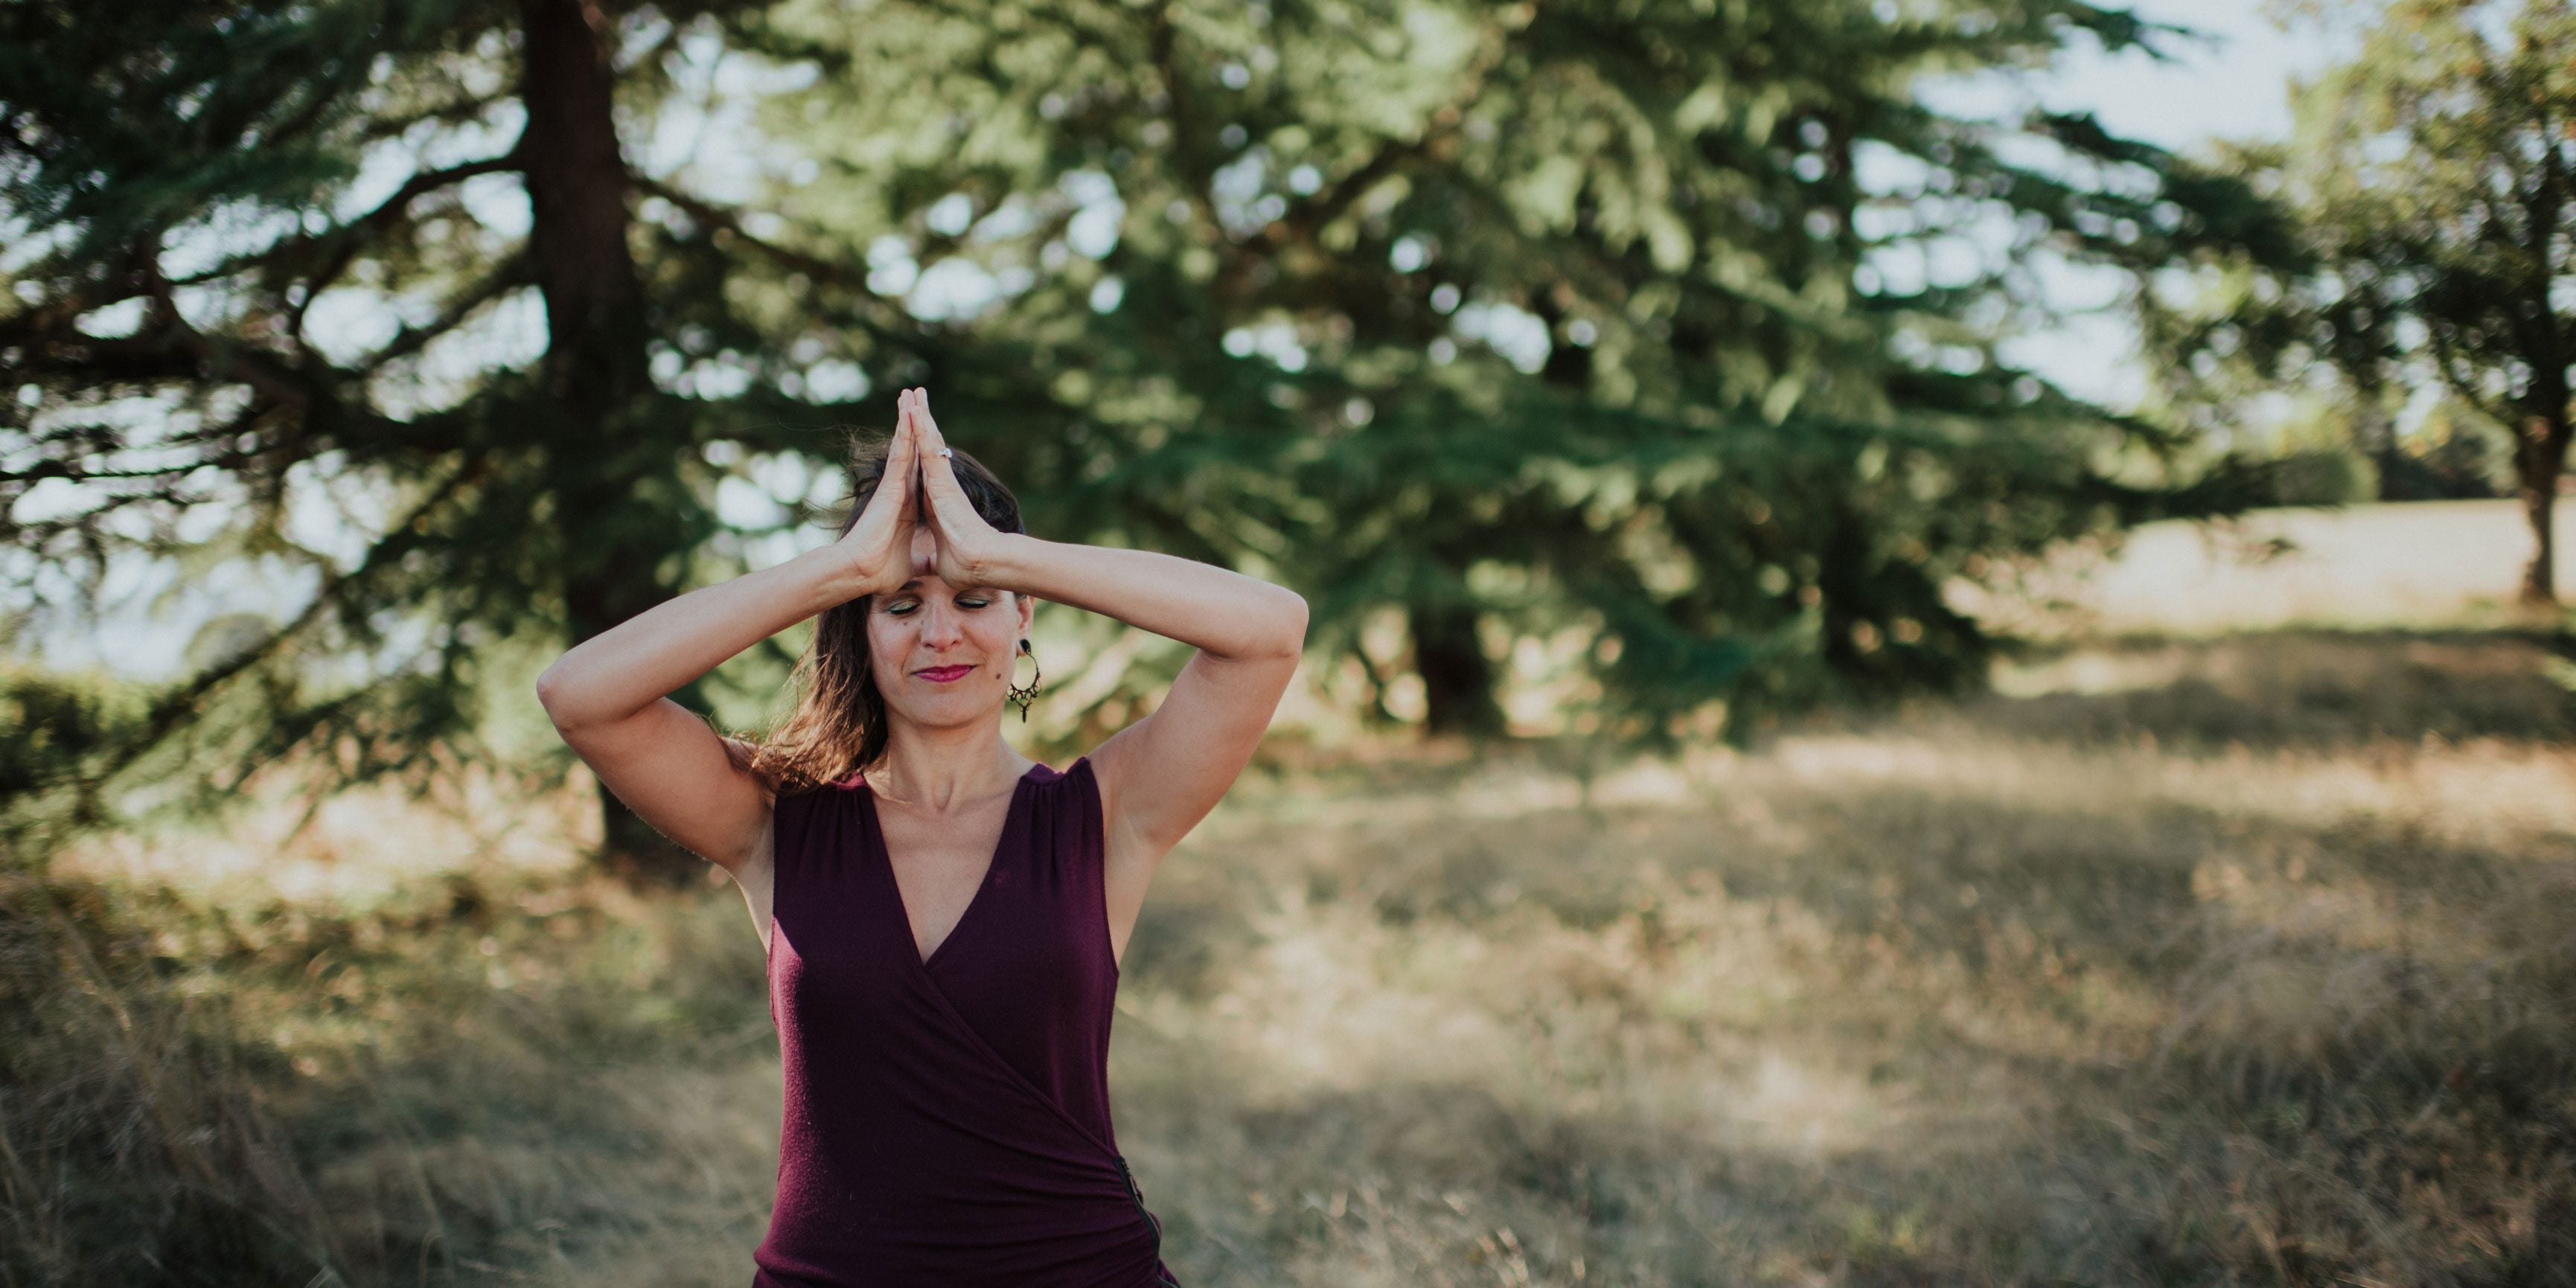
(2229, 81)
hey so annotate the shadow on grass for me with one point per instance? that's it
(2104, 1035)
(1797, 1029)
(2347, 1062)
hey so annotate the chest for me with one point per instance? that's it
(994, 920)
(940, 864)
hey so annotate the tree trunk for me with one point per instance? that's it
(2375, 433)
(605, 450)
(1457, 677)
(2540, 456)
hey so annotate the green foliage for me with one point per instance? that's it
(2323, 476)
(2457, 454)
(1588, 316)
(2430, 178)
(1540, 316)
(60, 726)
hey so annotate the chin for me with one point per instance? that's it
(947, 709)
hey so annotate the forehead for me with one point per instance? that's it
(932, 585)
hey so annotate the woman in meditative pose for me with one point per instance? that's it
(943, 915)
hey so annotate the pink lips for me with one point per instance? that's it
(943, 674)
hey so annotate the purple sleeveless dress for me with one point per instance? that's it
(947, 1122)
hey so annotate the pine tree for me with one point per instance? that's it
(1526, 320)
(216, 205)
(1578, 321)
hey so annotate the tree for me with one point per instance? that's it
(1526, 322)
(221, 209)
(2429, 178)
(1583, 322)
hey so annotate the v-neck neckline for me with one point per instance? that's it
(885, 863)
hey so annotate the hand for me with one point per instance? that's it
(967, 547)
(879, 546)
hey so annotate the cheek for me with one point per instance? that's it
(889, 642)
(997, 631)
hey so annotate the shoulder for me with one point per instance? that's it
(791, 812)
(1047, 775)
(1076, 780)
(1073, 791)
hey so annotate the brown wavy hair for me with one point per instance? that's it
(837, 726)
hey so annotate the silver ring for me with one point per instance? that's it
(945, 453)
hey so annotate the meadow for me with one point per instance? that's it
(2240, 959)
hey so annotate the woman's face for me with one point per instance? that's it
(942, 654)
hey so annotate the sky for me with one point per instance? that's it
(2231, 82)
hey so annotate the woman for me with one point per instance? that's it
(943, 916)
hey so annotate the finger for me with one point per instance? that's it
(919, 452)
(880, 502)
(938, 469)
(900, 460)
(929, 424)
(933, 443)
(922, 454)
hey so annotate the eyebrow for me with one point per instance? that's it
(917, 581)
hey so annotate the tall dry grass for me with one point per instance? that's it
(2249, 961)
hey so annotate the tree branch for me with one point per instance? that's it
(342, 239)
(512, 273)
(847, 276)
(173, 710)
(63, 469)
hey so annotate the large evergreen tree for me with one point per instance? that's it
(1579, 321)
(258, 263)
(1520, 320)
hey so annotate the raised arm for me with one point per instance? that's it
(607, 696)
(1161, 775)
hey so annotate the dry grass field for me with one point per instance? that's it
(2405, 567)
(2240, 960)
(2254, 966)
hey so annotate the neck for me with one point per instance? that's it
(937, 769)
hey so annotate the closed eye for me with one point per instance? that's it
(904, 607)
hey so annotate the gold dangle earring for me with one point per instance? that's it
(1022, 695)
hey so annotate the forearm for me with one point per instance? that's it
(624, 669)
(1220, 611)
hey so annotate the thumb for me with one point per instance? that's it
(939, 474)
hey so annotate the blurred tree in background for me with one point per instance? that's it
(1522, 319)
(1670, 331)
(2430, 178)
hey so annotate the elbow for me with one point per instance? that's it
(550, 695)
(1292, 635)
(1266, 632)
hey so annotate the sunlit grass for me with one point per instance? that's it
(2399, 566)
(2247, 961)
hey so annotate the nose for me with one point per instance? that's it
(943, 623)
